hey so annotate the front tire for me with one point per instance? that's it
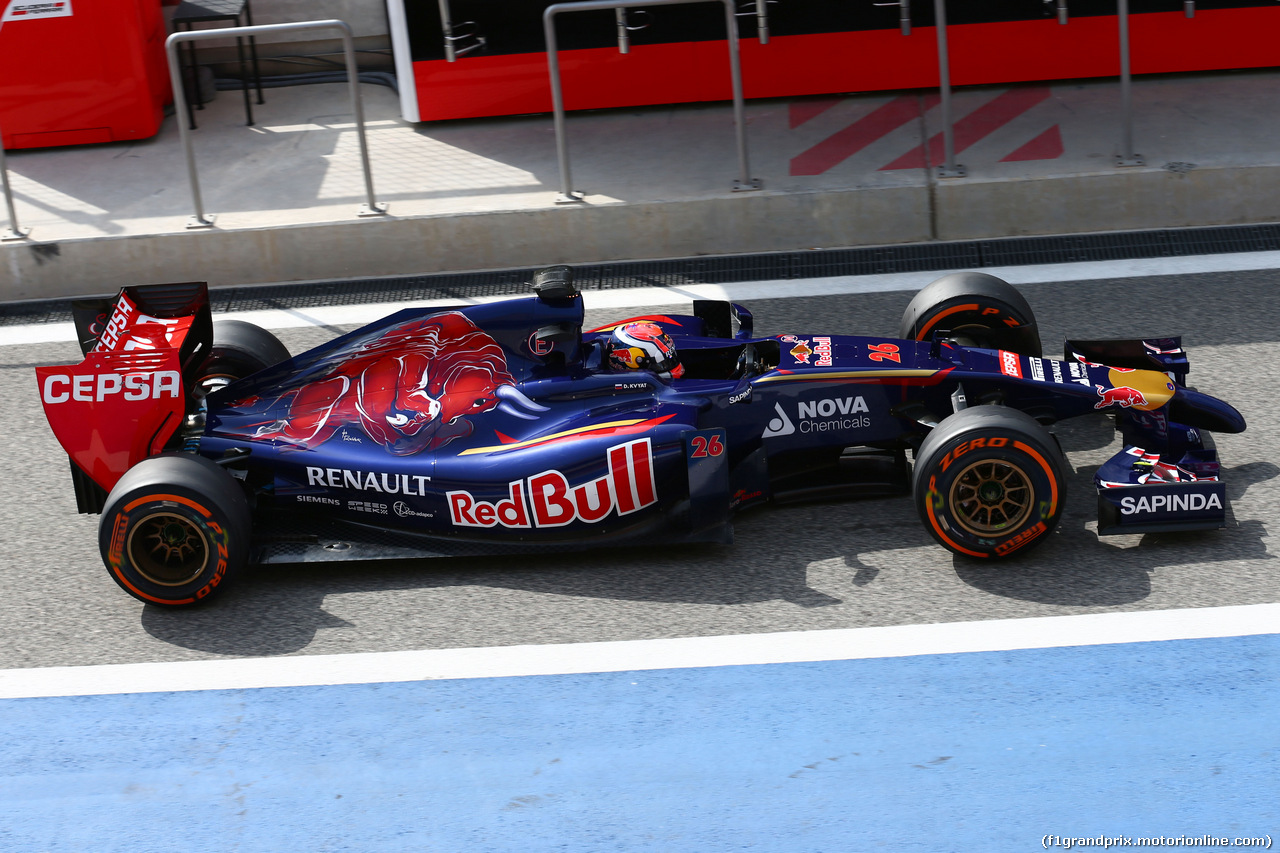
(989, 481)
(975, 309)
(175, 530)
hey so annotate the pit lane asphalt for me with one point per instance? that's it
(865, 563)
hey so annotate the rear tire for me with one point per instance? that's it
(239, 349)
(175, 530)
(989, 481)
(975, 309)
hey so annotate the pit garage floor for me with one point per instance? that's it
(853, 170)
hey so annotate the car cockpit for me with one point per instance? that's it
(714, 343)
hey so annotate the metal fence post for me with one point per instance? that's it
(371, 207)
(744, 182)
(13, 232)
(451, 38)
(948, 169)
(567, 195)
(1126, 157)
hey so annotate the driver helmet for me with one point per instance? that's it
(644, 346)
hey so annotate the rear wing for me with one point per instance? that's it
(126, 400)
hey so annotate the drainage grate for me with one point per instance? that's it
(812, 263)
(882, 260)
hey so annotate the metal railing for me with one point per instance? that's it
(948, 169)
(14, 232)
(567, 195)
(451, 38)
(1126, 157)
(758, 9)
(371, 207)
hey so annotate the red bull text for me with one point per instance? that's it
(548, 500)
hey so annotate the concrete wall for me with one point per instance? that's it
(405, 246)
(755, 222)
(1116, 200)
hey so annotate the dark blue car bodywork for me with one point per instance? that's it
(580, 456)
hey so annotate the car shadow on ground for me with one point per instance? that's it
(1077, 567)
(278, 609)
(798, 568)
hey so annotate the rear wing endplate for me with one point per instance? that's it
(125, 401)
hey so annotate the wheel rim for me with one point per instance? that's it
(974, 335)
(213, 382)
(168, 549)
(991, 497)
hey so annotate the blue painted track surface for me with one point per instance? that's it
(985, 751)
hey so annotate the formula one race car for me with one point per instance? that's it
(506, 427)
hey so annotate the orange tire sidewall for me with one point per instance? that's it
(1008, 327)
(974, 446)
(116, 557)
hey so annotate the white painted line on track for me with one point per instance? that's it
(646, 297)
(624, 656)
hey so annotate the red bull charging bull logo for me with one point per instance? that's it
(412, 389)
(1144, 390)
(1123, 396)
